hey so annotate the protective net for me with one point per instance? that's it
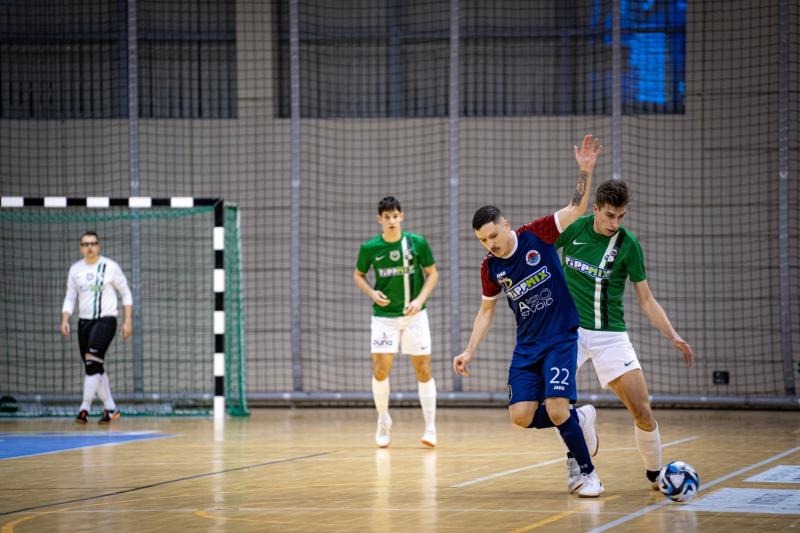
(307, 112)
(167, 365)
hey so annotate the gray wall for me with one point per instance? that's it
(704, 207)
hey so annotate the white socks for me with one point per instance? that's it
(90, 385)
(380, 393)
(427, 399)
(649, 444)
(104, 393)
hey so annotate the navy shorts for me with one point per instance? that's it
(95, 336)
(548, 374)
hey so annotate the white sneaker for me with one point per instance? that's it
(574, 478)
(591, 488)
(383, 436)
(429, 438)
(587, 418)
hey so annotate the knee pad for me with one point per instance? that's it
(93, 367)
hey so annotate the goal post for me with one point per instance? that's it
(185, 265)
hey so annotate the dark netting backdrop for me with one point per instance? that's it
(305, 113)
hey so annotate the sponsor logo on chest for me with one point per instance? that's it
(395, 271)
(520, 289)
(588, 269)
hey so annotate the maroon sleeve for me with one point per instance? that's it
(490, 287)
(545, 228)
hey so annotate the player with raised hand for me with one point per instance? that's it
(405, 275)
(524, 265)
(599, 255)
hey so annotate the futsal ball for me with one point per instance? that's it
(678, 481)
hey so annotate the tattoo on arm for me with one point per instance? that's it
(580, 188)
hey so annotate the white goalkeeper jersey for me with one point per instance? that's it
(94, 288)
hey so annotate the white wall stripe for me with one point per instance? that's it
(181, 201)
(219, 238)
(12, 201)
(140, 201)
(55, 201)
(97, 201)
(219, 280)
(219, 364)
(219, 322)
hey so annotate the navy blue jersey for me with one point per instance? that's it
(535, 287)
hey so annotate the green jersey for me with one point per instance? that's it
(398, 269)
(596, 268)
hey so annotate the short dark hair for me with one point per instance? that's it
(484, 215)
(389, 203)
(612, 192)
(90, 234)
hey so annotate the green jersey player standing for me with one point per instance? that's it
(598, 256)
(405, 275)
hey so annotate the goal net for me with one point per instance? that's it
(182, 261)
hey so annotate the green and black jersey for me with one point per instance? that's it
(398, 269)
(596, 268)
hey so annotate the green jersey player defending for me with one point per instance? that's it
(405, 275)
(598, 255)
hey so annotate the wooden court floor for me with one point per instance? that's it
(319, 470)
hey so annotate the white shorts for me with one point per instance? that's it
(611, 352)
(412, 333)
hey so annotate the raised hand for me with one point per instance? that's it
(587, 154)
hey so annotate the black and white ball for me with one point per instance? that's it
(678, 481)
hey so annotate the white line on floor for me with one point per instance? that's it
(703, 487)
(544, 463)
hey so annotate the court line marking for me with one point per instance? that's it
(162, 483)
(505, 473)
(557, 517)
(205, 514)
(645, 510)
(8, 527)
(679, 441)
(154, 436)
(544, 463)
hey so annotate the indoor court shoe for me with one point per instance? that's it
(591, 488)
(108, 416)
(652, 478)
(574, 478)
(429, 438)
(383, 436)
(82, 417)
(587, 418)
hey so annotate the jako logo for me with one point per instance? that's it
(533, 257)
